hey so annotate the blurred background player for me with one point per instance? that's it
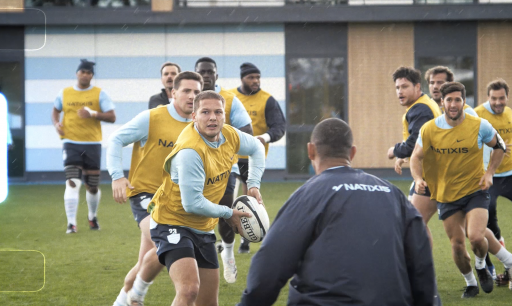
(326, 238)
(499, 115)
(268, 121)
(419, 109)
(168, 72)
(84, 106)
(236, 116)
(184, 210)
(448, 159)
(154, 133)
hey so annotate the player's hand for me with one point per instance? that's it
(420, 186)
(234, 221)
(255, 193)
(486, 181)
(509, 149)
(58, 127)
(398, 165)
(119, 189)
(391, 153)
(83, 113)
(261, 140)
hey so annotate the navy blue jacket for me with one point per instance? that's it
(417, 116)
(346, 237)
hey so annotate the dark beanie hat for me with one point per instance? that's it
(86, 65)
(248, 68)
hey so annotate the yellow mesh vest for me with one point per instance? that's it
(166, 207)
(503, 124)
(228, 96)
(424, 99)
(146, 165)
(76, 128)
(453, 163)
(255, 106)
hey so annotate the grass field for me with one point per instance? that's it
(88, 268)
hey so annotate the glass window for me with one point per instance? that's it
(317, 91)
(463, 68)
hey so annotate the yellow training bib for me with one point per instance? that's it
(76, 128)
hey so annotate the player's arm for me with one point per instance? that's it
(256, 151)
(491, 138)
(418, 256)
(417, 116)
(57, 109)
(135, 130)
(107, 113)
(281, 252)
(275, 122)
(239, 117)
(417, 167)
(187, 170)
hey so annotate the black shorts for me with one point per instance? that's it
(243, 164)
(230, 189)
(87, 156)
(412, 190)
(168, 238)
(478, 199)
(139, 204)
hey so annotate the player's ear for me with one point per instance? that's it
(194, 116)
(353, 151)
(173, 93)
(311, 151)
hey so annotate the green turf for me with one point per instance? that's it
(88, 268)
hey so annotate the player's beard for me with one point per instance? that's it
(456, 117)
(248, 89)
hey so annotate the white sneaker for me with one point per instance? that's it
(230, 270)
(134, 299)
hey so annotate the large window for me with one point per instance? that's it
(316, 83)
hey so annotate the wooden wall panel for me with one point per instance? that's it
(494, 55)
(162, 5)
(9, 5)
(375, 114)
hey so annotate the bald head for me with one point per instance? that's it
(332, 138)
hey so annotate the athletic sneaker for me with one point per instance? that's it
(71, 229)
(219, 247)
(134, 299)
(485, 279)
(93, 224)
(470, 292)
(493, 272)
(230, 272)
(503, 279)
(244, 246)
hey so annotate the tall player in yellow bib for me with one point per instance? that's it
(448, 158)
(84, 106)
(185, 208)
(268, 122)
(153, 133)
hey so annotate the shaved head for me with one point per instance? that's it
(332, 138)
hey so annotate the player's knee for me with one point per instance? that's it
(189, 292)
(92, 181)
(72, 188)
(476, 238)
(458, 245)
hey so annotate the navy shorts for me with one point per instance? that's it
(87, 156)
(139, 204)
(169, 238)
(243, 164)
(479, 199)
(412, 190)
(230, 189)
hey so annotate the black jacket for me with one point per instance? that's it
(158, 99)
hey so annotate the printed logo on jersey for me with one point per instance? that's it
(449, 150)
(362, 187)
(79, 103)
(218, 178)
(504, 131)
(164, 143)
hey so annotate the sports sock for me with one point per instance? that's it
(71, 199)
(505, 257)
(479, 263)
(140, 287)
(121, 298)
(92, 202)
(228, 251)
(470, 279)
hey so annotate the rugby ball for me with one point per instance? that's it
(254, 228)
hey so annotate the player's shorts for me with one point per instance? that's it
(478, 199)
(243, 164)
(139, 204)
(87, 156)
(170, 238)
(230, 189)
(412, 190)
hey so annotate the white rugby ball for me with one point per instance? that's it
(254, 228)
